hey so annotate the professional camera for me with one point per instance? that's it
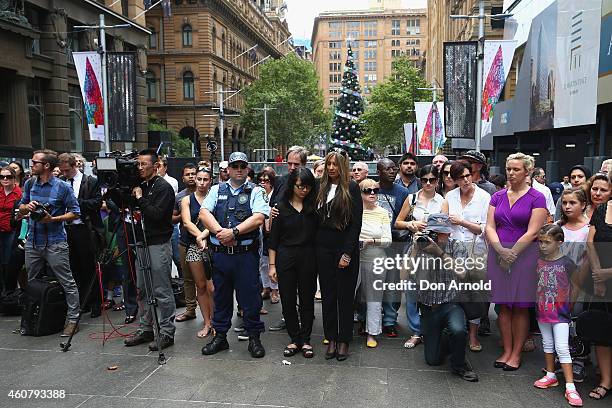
(421, 238)
(40, 211)
(118, 171)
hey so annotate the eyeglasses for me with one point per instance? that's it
(374, 190)
(429, 180)
(223, 169)
(302, 186)
(7, 177)
(240, 166)
(463, 176)
(34, 162)
(264, 180)
(446, 173)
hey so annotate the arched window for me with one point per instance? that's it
(188, 90)
(187, 36)
(152, 39)
(151, 86)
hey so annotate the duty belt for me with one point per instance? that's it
(236, 249)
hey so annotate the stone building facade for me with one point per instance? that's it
(205, 52)
(377, 35)
(40, 102)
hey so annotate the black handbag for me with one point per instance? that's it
(402, 235)
(595, 325)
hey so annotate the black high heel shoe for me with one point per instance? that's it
(341, 356)
(331, 350)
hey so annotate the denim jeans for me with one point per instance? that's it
(444, 331)
(176, 258)
(412, 313)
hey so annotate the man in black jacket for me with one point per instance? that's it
(83, 233)
(155, 199)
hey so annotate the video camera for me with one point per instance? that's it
(119, 174)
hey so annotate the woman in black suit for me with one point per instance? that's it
(337, 248)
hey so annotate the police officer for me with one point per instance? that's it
(233, 212)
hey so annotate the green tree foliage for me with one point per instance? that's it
(290, 85)
(391, 104)
(180, 147)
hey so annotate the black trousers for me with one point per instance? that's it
(337, 293)
(297, 276)
(83, 264)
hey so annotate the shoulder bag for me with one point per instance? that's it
(402, 235)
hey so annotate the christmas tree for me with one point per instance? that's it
(347, 126)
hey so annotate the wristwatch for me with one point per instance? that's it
(236, 231)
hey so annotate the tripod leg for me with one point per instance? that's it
(95, 278)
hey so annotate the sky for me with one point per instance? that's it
(301, 13)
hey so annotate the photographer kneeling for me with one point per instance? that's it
(442, 320)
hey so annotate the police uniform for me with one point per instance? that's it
(236, 267)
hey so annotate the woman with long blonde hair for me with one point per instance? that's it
(340, 212)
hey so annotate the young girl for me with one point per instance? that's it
(553, 310)
(574, 223)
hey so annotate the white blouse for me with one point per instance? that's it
(475, 212)
(421, 212)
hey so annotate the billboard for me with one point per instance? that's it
(460, 89)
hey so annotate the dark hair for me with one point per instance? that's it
(10, 170)
(580, 195)
(251, 173)
(537, 171)
(50, 157)
(205, 170)
(67, 158)
(440, 186)
(583, 169)
(189, 166)
(21, 176)
(150, 152)
(589, 184)
(554, 231)
(428, 168)
(406, 156)
(307, 178)
(498, 179)
(457, 169)
(269, 172)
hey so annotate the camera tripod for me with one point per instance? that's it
(142, 261)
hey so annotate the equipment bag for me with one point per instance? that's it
(44, 308)
(178, 291)
(10, 303)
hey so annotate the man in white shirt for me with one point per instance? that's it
(539, 183)
(162, 171)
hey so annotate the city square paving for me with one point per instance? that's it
(388, 376)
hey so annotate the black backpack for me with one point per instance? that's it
(44, 307)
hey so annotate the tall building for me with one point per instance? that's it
(40, 103)
(442, 28)
(376, 35)
(204, 54)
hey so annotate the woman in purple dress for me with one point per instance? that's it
(515, 216)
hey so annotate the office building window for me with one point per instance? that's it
(369, 78)
(187, 36)
(335, 44)
(369, 54)
(369, 28)
(335, 29)
(335, 66)
(352, 43)
(414, 26)
(152, 39)
(334, 55)
(370, 44)
(75, 113)
(369, 66)
(188, 89)
(395, 27)
(395, 53)
(151, 86)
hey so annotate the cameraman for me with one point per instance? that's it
(47, 243)
(442, 320)
(155, 199)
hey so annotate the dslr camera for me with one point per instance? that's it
(421, 238)
(40, 211)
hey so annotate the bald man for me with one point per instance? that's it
(439, 161)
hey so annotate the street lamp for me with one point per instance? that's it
(480, 62)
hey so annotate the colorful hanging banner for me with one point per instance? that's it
(497, 63)
(430, 127)
(89, 70)
(410, 136)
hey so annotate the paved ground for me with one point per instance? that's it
(388, 376)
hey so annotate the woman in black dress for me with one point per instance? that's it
(337, 248)
(292, 258)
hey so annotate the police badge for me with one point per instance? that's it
(243, 198)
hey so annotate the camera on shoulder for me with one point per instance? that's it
(119, 174)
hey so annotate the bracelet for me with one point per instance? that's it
(271, 264)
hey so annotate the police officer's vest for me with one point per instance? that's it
(231, 210)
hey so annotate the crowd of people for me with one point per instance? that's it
(322, 230)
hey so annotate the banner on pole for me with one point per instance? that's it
(89, 70)
(497, 63)
(460, 89)
(121, 74)
(410, 136)
(430, 127)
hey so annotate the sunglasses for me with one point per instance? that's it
(302, 186)
(429, 180)
(240, 166)
(446, 173)
(374, 190)
(34, 162)
(7, 177)
(463, 176)
(264, 180)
